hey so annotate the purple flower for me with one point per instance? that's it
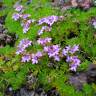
(22, 45)
(69, 49)
(48, 20)
(57, 58)
(20, 50)
(25, 16)
(73, 67)
(68, 59)
(19, 8)
(25, 29)
(44, 28)
(51, 19)
(26, 58)
(66, 50)
(16, 16)
(74, 49)
(26, 25)
(39, 54)
(41, 21)
(25, 43)
(94, 24)
(43, 41)
(35, 57)
(52, 51)
(74, 62)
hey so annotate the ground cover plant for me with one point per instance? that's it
(47, 50)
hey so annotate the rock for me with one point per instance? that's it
(31, 81)
(1, 28)
(2, 19)
(1, 3)
(57, 3)
(85, 4)
(66, 4)
(78, 81)
(53, 92)
(40, 91)
(91, 73)
(24, 92)
(7, 39)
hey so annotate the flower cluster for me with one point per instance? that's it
(74, 62)
(25, 21)
(34, 58)
(69, 49)
(53, 51)
(69, 52)
(48, 20)
(44, 41)
(23, 45)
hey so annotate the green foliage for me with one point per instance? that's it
(84, 65)
(8, 4)
(88, 90)
(7, 50)
(74, 29)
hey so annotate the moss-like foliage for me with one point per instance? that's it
(74, 29)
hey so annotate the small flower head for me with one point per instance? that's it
(16, 16)
(26, 25)
(52, 51)
(74, 49)
(26, 58)
(39, 54)
(74, 62)
(25, 16)
(35, 57)
(44, 28)
(20, 50)
(25, 43)
(19, 8)
(66, 50)
(22, 45)
(94, 24)
(44, 41)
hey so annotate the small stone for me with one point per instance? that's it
(91, 73)
(78, 81)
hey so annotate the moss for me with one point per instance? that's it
(74, 29)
